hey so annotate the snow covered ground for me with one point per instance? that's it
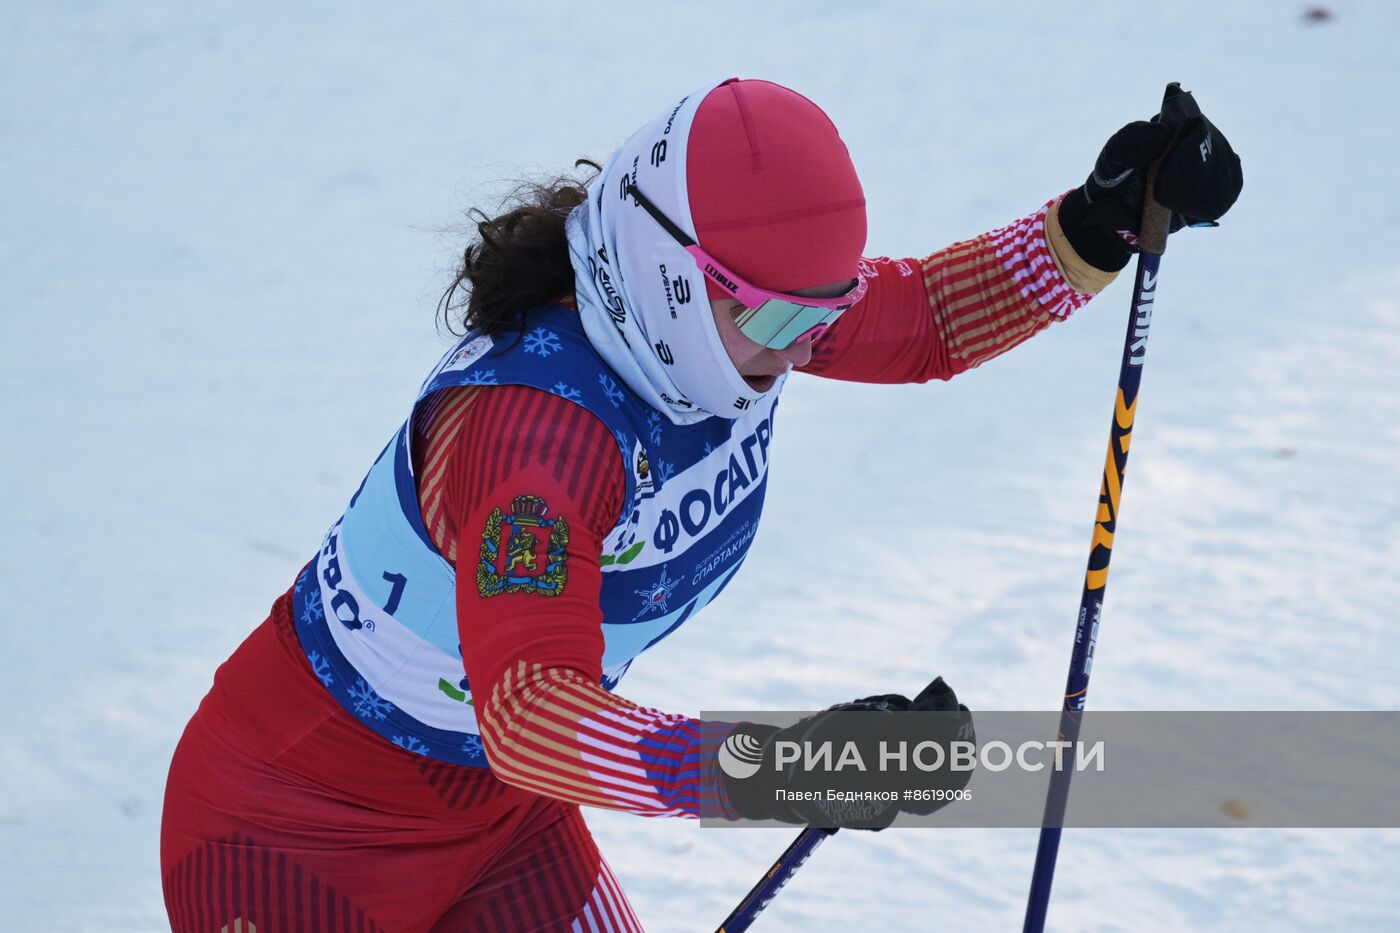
(222, 233)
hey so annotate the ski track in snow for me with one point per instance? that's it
(222, 243)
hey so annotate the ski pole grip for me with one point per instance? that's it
(1156, 219)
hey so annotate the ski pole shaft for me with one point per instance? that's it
(772, 882)
(1091, 601)
(1152, 242)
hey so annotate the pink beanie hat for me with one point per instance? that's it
(773, 193)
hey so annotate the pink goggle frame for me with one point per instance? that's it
(774, 319)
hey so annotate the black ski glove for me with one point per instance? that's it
(1198, 180)
(753, 792)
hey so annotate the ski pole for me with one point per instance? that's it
(1152, 242)
(768, 887)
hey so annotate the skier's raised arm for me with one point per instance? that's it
(956, 308)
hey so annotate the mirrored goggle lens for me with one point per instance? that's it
(777, 324)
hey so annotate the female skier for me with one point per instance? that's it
(405, 743)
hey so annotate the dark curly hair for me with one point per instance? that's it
(519, 259)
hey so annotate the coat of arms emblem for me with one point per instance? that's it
(515, 559)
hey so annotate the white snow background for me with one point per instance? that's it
(221, 241)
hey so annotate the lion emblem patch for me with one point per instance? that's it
(523, 551)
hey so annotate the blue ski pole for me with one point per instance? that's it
(787, 864)
(1152, 242)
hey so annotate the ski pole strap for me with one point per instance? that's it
(772, 882)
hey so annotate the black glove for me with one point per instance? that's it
(753, 793)
(1198, 179)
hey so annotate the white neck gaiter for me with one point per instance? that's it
(640, 294)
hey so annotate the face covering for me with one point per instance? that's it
(641, 297)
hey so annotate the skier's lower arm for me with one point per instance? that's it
(553, 731)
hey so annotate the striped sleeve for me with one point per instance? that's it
(557, 733)
(935, 317)
(534, 661)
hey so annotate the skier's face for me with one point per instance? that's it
(759, 365)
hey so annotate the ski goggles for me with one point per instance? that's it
(774, 319)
